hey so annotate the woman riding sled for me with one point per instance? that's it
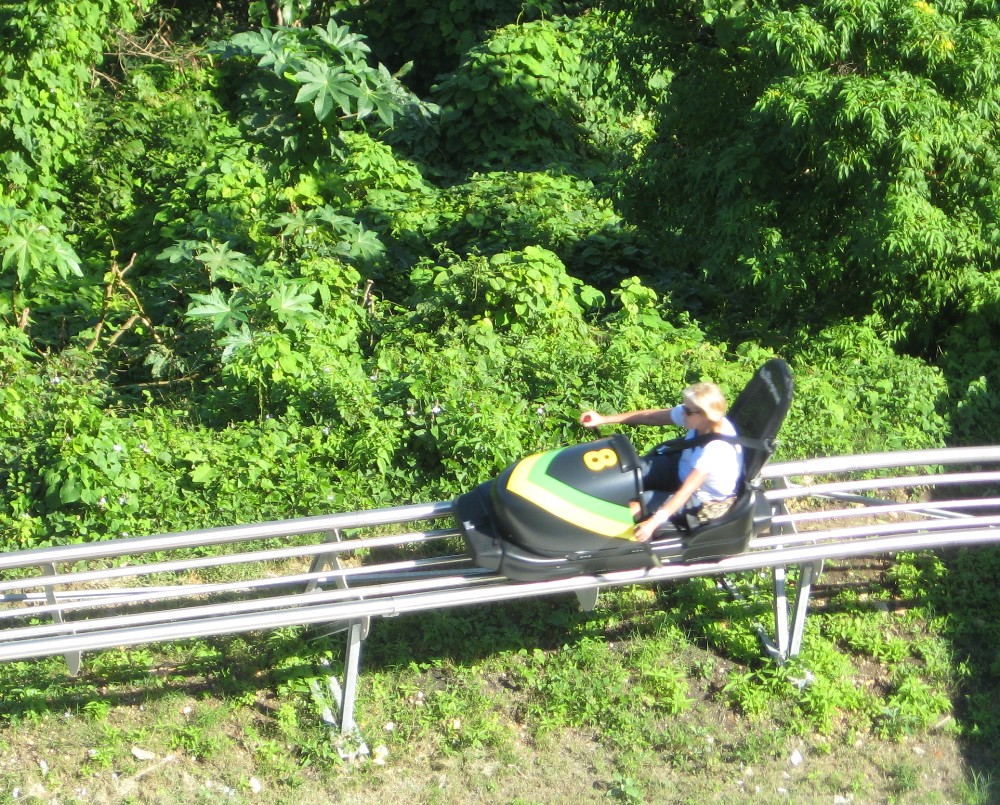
(701, 479)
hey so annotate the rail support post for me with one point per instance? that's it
(788, 635)
(73, 658)
(344, 696)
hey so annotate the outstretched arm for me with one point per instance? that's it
(676, 502)
(648, 416)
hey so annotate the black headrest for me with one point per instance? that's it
(760, 409)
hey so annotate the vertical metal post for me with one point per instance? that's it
(352, 665)
(808, 573)
(73, 658)
(789, 636)
(588, 598)
(778, 576)
(762, 635)
(357, 630)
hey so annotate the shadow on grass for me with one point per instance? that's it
(238, 665)
(967, 594)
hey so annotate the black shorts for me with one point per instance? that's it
(660, 479)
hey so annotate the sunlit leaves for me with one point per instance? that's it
(268, 45)
(224, 262)
(224, 313)
(31, 250)
(340, 39)
(235, 341)
(362, 244)
(327, 69)
(327, 87)
(292, 304)
(858, 154)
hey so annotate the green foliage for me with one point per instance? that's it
(309, 83)
(532, 90)
(580, 686)
(857, 155)
(854, 394)
(435, 34)
(912, 707)
(48, 51)
(35, 259)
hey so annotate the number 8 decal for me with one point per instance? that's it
(598, 460)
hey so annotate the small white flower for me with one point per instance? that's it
(437, 409)
(117, 448)
(541, 410)
(122, 500)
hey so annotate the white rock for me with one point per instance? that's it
(380, 754)
(796, 758)
(142, 754)
(255, 785)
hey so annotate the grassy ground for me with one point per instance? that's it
(659, 695)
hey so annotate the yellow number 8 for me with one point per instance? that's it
(598, 460)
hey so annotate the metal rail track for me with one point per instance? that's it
(342, 570)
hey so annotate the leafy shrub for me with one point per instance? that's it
(435, 34)
(854, 394)
(532, 91)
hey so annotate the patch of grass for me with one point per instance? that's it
(648, 698)
(977, 788)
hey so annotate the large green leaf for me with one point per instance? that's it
(225, 313)
(291, 305)
(327, 86)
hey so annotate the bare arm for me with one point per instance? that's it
(649, 416)
(676, 502)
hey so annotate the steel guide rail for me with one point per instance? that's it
(105, 616)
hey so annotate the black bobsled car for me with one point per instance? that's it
(566, 512)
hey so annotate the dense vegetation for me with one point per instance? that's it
(251, 271)
(262, 260)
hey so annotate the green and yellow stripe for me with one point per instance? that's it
(530, 480)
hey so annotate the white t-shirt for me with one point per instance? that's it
(720, 460)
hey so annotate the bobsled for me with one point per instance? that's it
(565, 512)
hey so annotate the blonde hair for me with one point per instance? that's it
(708, 398)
